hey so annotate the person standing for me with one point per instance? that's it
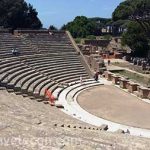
(81, 80)
(96, 76)
(108, 62)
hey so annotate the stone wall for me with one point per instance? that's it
(128, 85)
(100, 43)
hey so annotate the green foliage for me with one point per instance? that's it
(136, 38)
(78, 40)
(82, 27)
(123, 11)
(132, 8)
(135, 15)
(91, 37)
(107, 37)
(101, 22)
(18, 14)
(52, 27)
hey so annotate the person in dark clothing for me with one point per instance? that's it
(15, 51)
(108, 62)
(96, 76)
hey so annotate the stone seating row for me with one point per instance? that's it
(69, 93)
(71, 83)
(55, 45)
(10, 41)
(67, 100)
(52, 56)
(25, 47)
(30, 80)
(52, 60)
(26, 106)
(48, 37)
(34, 72)
(132, 87)
(35, 42)
(59, 63)
(49, 48)
(37, 38)
(44, 42)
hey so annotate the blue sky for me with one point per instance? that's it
(59, 12)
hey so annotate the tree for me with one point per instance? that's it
(31, 20)
(123, 11)
(52, 27)
(136, 14)
(82, 26)
(136, 38)
(63, 27)
(18, 14)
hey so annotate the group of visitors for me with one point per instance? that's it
(143, 62)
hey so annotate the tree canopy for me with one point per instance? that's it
(82, 26)
(135, 15)
(18, 14)
(136, 38)
(132, 9)
(52, 27)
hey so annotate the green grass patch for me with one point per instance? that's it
(134, 77)
(78, 40)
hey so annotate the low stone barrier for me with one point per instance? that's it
(104, 127)
(149, 96)
(108, 75)
(143, 92)
(132, 87)
(123, 83)
(115, 79)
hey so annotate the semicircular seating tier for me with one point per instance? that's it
(44, 60)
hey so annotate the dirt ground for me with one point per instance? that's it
(114, 104)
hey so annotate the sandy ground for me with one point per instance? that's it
(111, 103)
(115, 60)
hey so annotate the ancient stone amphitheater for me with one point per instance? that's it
(48, 60)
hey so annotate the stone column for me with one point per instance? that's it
(143, 92)
(123, 83)
(132, 87)
(115, 79)
(108, 75)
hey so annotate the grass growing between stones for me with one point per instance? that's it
(145, 81)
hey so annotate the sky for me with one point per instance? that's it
(59, 12)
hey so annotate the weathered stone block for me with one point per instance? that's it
(108, 75)
(115, 79)
(143, 92)
(120, 131)
(104, 127)
(132, 87)
(123, 83)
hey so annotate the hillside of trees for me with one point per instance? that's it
(132, 15)
(82, 26)
(18, 14)
(135, 15)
